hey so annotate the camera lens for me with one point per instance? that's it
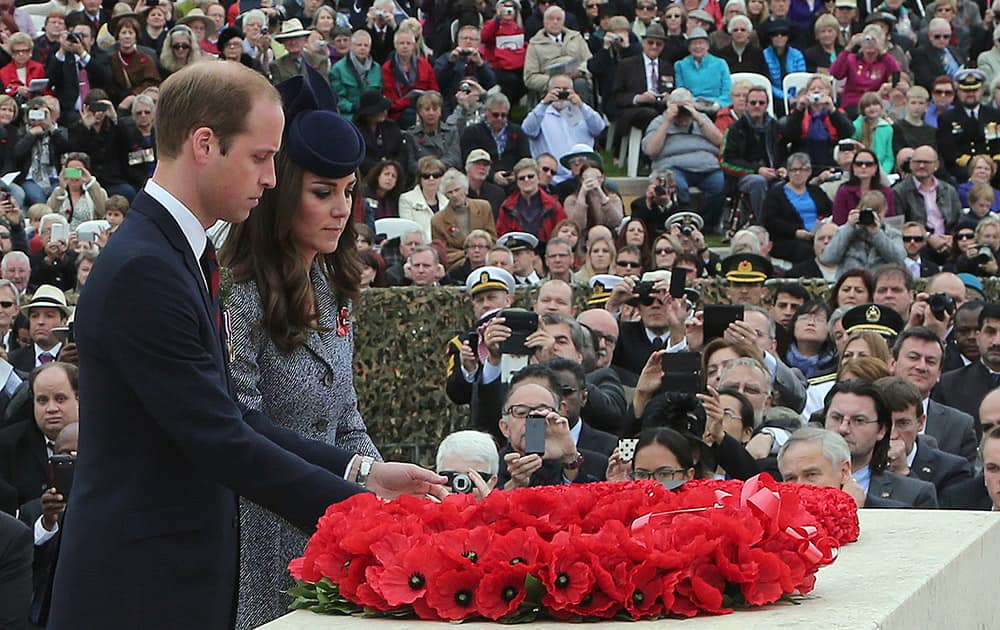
(461, 484)
(562, 94)
(660, 190)
(687, 230)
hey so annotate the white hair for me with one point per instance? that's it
(51, 217)
(452, 177)
(552, 10)
(748, 243)
(473, 447)
(14, 255)
(765, 375)
(833, 445)
(253, 15)
(739, 20)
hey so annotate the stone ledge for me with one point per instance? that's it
(910, 569)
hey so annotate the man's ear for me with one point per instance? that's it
(504, 428)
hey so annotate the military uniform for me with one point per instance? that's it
(963, 133)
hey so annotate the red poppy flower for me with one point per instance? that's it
(407, 575)
(643, 591)
(520, 546)
(502, 591)
(567, 575)
(453, 594)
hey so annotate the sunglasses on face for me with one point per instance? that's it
(913, 239)
(665, 250)
(181, 46)
(966, 236)
(940, 36)
(548, 169)
(628, 263)
(944, 92)
(864, 163)
(757, 102)
(431, 175)
(6, 304)
(525, 177)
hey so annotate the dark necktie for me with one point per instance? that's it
(972, 114)
(210, 267)
(45, 357)
(996, 379)
(658, 344)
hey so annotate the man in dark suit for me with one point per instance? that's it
(503, 140)
(962, 129)
(46, 311)
(168, 450)
(964, 389)
(15, 572)
(930, 60)
(25, 447)
(914, 241)
(857, 411)
(916, 357)
(812, 268)
(910, 454)
(641, 83)
(963, 343)
(78, 62)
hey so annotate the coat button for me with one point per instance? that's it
(328, 380)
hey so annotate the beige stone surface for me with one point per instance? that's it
(911, 570)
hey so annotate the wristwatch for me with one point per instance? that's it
(575, 464)
(364, 469)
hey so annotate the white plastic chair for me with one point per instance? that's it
(394, 227)
(631, 148)
(756, 80)
(792, 83)
(95, 226)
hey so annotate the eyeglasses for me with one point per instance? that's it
(4, 236)
(913, 239)
(965, 236)
(944, 92)
(659, 251)
(799, 169)
(645, 7)
(748, 389)
(521, 411)
(21, 51)
(431, 175)
(548, 169)
(143, 112)
(811, 317)
(864, 163)
(234, 44)
(904, 423)
(674, 16)
(737, 29)
(180, 46)
(557, 255)
(856, 422)
(498, 114)
(660, 474)
(941, 36)
(477, 247)
(757, 102)
(525, 177)
(628, 263)
(6, 304)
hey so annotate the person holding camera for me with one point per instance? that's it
(864, 241)
(77, 67)
(505, 47)
(464, 62)
(470, 461)
(978, 254)
(865, 66)
(38, 152)
(381, 22)
(815, 125)
(78, 196)
(611, 46)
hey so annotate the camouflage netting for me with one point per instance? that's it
(400, 339)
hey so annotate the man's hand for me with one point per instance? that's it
(543, 343)
(714, 433)
(495, 334)
(897, 457)
(53, 506)
(622, 291)
(695, 331)
(470, 362)
(68, 354)
(521, 467)
(677, 314)
(740, 332)
(559, 442)
(857, 493)
(503, 179)
(391, 479)
(10, 210)
(921, 315)
(618, 470)
(767, 173)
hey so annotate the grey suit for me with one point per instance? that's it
(953, 430)
(912, 492)
(310, 391)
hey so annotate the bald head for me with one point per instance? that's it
(66, 441)
(950, 284)
(604, 328)
(989, 411)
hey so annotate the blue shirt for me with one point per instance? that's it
(804, 205)
(864, 478)
(707, 79)
(553, 131)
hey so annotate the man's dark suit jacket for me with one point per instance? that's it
(953, 429)
(15, 572)
(884, 504)
(941, 469)
(632, 351)
(970, 494)
(925, 61)
(479, 136)
(805, 269)
(631, 80)
(594, 468)
(959, 134)
(42, 566)
(912, 492)
(24, 461)
(964, 389)
(606, 407)
(928, 267)
(151, 534)
(23, 360)
(64, 80)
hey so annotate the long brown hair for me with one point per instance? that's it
(262, 250)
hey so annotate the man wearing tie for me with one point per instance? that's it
(641, 83)
(970, 128)
(46, 310)
(846, 12)
(151, 532)
(77, 67)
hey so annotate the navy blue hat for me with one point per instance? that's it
(317, 138)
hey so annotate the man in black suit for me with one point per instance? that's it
(818, 457)
(910, 454)
(641, 84)
(983, 491)
(965, 388)
(564, 460)
(25, 447)
(167, 448)
(857, 411)
(78, 62)
(46, 311)
(15, 572)
(502, 139)
(914, 241)
(916, 357)
(934, 58)
(962, 129)
(578, 394)
(9, 308)
(812, 268)
(963, 344)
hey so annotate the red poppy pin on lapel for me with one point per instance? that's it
(343, 323)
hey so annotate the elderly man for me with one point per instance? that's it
(752, 155)
(557, 49)
(910, 454)
(983, 491)
(818, 457)
(293, 37)
(460, 217)
(476, 251)
(813, 268)
(687, 142)
(556, 297)
(705, 75)
(559, 260)
(10, 306)
(394, 260)
(924, 198)
(423, 267)
(462, 63)
(963, 130)
(504, 142)
(642, 82)
(16, 267)
(856, 410)
(604, 329)
(916, 357)
(477, 168)
(560, 122)
(964, 389)
(355, 74)
(936, 57)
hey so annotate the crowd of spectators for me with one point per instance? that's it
(861, 141)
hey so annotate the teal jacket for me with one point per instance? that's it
(348, 85)
(881, 143)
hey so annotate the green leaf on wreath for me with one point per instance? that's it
(533, 589)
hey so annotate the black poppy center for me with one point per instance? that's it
(562, 580)
(463, 598)
(509, 593)
(471, 555)
(417, 581)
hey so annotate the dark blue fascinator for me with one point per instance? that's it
(317, 138)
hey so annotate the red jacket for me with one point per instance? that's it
(426, 80)
(552, 214)
(8, 76)
(504, 58)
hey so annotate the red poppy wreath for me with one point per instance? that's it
(596, 551)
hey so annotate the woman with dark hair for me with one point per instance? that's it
(295, 271)
(78, 197)
(132, 70)
(811, 349)
(855, 286)
(661, 454)
(737, 414)
(633, 232)
(372, 270)
(383, 138)
(231, 48)
(865, 176)
(383, 186)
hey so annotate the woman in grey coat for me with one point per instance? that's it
(865, 242)
(295, 270)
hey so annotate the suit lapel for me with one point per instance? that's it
(880, 486)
